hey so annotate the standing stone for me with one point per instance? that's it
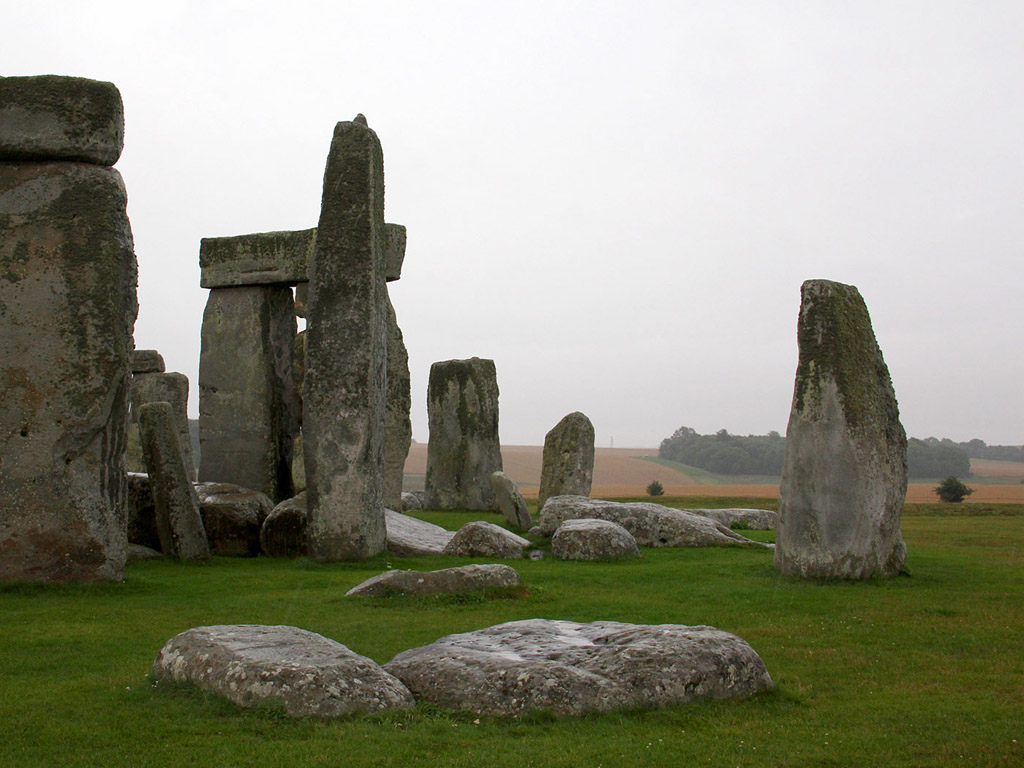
(67, 309)
(463, 449)
(178, 521)
(844, 478)
(245, 389)
(169, 388)
(397, 425)
(568, 468)
(346, 355)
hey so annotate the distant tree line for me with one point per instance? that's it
(727, 454)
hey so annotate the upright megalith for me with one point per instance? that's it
(568, 465)
(169, 388)
(397, 424)
(844, 478)
(463, 449)
(346, 355)
(67, 310)
(246, 401)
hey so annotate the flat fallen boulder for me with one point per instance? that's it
(253, 665)
(573, 669)
(589, 539)
(465, 578)
(409, 537)
(652, 525)
(754, 519)
(483, 539)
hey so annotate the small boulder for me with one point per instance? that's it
(482, 539)
(409, 537)
(233, 517)
(283, 532)
(410, 502)
(587, 539)
(306, 673)
(510, 501)
(466, 578)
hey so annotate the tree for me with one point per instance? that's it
(952, 489)
(654, 488)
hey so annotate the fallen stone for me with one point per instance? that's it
(141, 512)
(138, 553)
(586, 539)
(254, 665)
(409, 537)
(483, 539)
(410, 502)
(510, 501)
(652, 525)
(736, 517)
(568, 464)
(261, 258)
(147, 361)
(283, 533)
(233, 517)
(464, 579)
(573, 669)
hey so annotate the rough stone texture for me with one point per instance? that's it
(463, 449)
(466, 578)
(482, 539)
(147, 361)
(572, 669)
(141, 512)
(410, 502)
(262, 258)
(568, 465)
(301, 298)
(253, 665)
(652, 525)
(844, 477)
(397, 425)
(168, 388)
(754, 519)
(588, 539)
(139, 552)
(233, 517)
(394, 252)
(298, 377)
(346, 353)
(49, 117)
(67, 308)
(246, 399)
(510, 501)
(283, 533)
(298, 466)
(178, 521)
(409, 537)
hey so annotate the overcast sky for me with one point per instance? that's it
(616, 201)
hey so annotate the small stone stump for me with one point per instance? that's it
(568, 467)
(510, 501)
(587, 539)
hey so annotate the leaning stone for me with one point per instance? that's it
(168, 388)
(409, 537)
(49, 117)
(141, 511)
(394, 252)
(568, 464)
(283, 533)
(346, 353)
(397, 424)
(573, 669)
(463, 449)
(262, 258)
(753, 519)
(67, 308)
(139, 552)
(410, 502)
(254, 665)
(652, 525)
(461, 580)
(178, 521)
(586, 539)
(147, 361)
(844, 477)
(510, 501)
(232, 517)
(482, 539)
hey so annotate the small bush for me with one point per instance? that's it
(654, 488)
(952, 489)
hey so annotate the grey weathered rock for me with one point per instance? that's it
(283, 533)
(246, 402)
(482, 539)
(463, 448)
(572, 669)
(568, 467)
(652, 525)
(589, 539)
(410, 502)
(147, 361)
(298, 377)
(510, 501)
(141, 512)
(177, 507)
(736, 517)
(844, 477)
(301, 298)
(394, 252)
(466, 578)
(346, 355)
(232, 517)
(168, 388)
(261, 258)
(409, 537)
(140, 552)
(303, 672)
(67, 308)
(49, 117)
(397, 424)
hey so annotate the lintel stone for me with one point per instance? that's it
(262, 258)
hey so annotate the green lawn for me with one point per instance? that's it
(922, 670)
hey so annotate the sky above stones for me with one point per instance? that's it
(616, 201)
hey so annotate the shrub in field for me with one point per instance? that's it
(952, 489)
(654, 488)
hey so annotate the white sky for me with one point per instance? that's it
(616, 201)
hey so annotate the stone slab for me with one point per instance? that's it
(261, 258)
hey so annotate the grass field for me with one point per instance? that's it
(921, 670)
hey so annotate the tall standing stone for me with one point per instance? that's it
(568, 467)
(67, 310)
(246, 401)
(397, 425)
(463, 449)
(844, 478)
(346, 356)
